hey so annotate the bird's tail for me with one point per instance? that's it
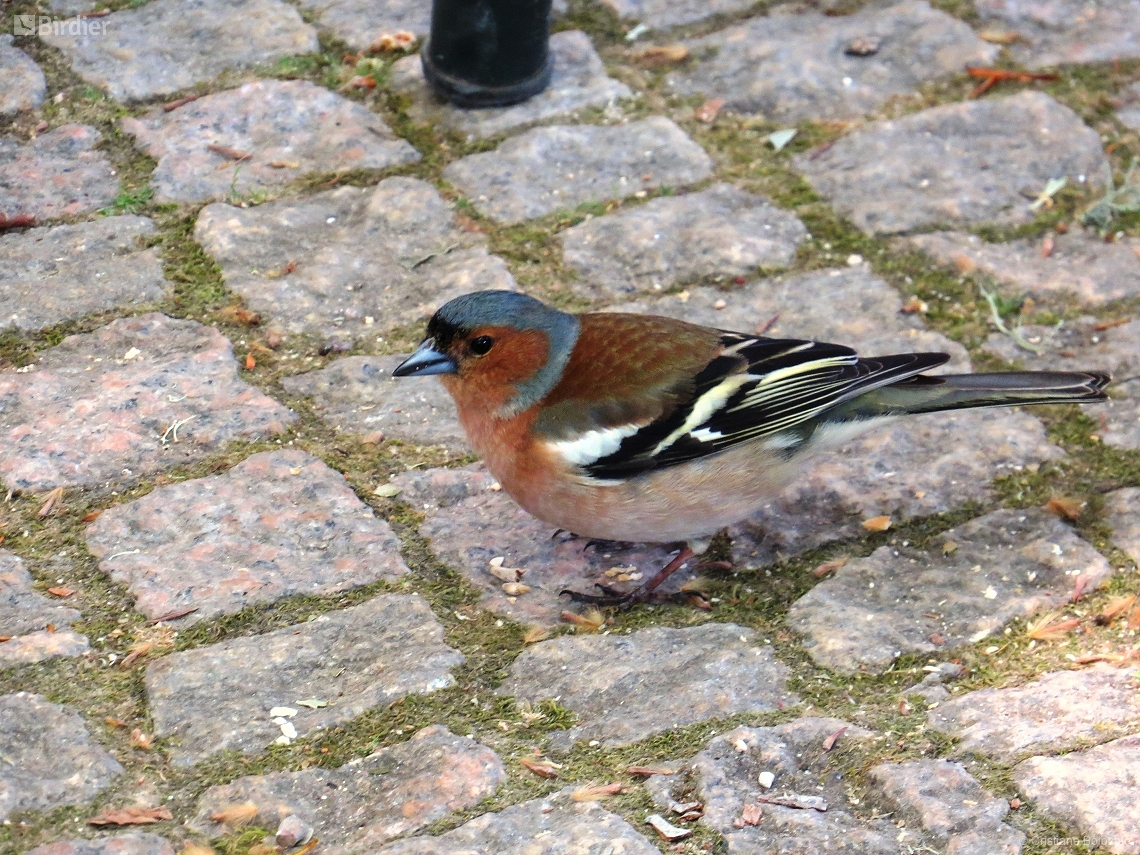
(929, 394)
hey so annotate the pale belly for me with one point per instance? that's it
(668, 505)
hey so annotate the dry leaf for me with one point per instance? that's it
(1048, 628)
(1134, 619)
(285, 164)
(141, 740)
(1047, 246)
(666, 829)
(904, 707)
(196, 849)
(51, 502)
(949, 547)
(877, 523)
(595, 793)
(660, 56)
(535, 634)
(708, 111)
(863, 46)
(401, 40)
(505, 574)
(238, 315)
(131, 816)
(114, 722)
(1115, 607)
(829, 743)
(250, 362)
(541, 767)
(937, 639)
(795, 800)
(1065, 507)
(60, 592)
(750, 815)
(172, 615)
(515, 589)
(648, 771)
(591, 621)
(829, 566)
(360, 82)
(91, 516)
(231, 153)
(181, 102)
(135, 652)
(235, 815)
(304, 850)
(1119, 322)
(999, 37)
(915, 306)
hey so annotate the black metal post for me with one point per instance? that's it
(488, 53)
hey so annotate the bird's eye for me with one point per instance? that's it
(482, 345)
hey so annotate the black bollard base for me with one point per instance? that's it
(466, 94)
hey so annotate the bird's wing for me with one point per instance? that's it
(753, 389)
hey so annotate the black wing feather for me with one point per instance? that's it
(769, 387)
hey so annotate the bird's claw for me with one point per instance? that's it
(626, 600)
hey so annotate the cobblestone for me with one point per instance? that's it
(562, 166)
(358, 395)
(578, 80)
(1094, 792)
(555, 825)
(49, 758)
(133, 382)
(1124, 519)
(952, 808)
(717, 233)
(24, 83)
(58, 174)
(792, 67)
(25, 618)
(91, 267)
(350, 262)
(1061, 711)
(900, 600)
(1059, 32)
(220, 696)
(958, 163)
(627, 687)
(1078, 264)
(279, 524)
(727, 777)
(367, 802)
(289, 129)
(168, 45)
(362, 22)
(118, 844)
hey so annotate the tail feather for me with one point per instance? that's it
(929, 394)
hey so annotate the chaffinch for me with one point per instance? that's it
(645, 428)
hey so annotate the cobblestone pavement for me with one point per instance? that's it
(262, 600)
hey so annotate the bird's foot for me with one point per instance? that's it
(647, 592)
(626, 600)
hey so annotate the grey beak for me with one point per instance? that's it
(426, 360)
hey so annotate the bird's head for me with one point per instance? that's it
(502, 347)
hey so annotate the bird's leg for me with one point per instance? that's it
(645, 593)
